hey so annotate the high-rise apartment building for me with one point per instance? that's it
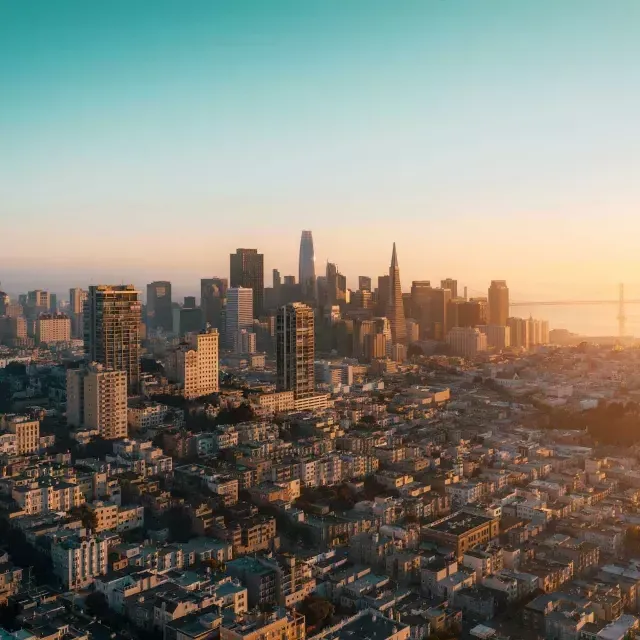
(519, 333)
(383, 326)
(97, 399)
(295, 349)
(77, 301)
(194, 364)
(213, 298)
(159, 309)
(113, 316)
(239, 313)
(498, 337)
(307, 267)
(247, 271)
(395, 312)
(451, 284)
(467, 342)
(52, 328)
(498, 302)
(364, 283)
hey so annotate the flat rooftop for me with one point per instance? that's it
(459, 523)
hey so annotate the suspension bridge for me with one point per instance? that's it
(620, 303)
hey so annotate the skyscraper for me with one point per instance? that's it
(247, 270)
(364, 283)
(112, 329)
(295, 349)
(159, 311)
(307, 267)
(77, 301)
(336, 284)
(395, 312)
(450, 283)
(498, 302)
(213, 295)
(239, 313)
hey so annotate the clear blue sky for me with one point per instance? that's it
(488, 138)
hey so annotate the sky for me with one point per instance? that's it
(491, 139)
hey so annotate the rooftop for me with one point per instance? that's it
(459, 523)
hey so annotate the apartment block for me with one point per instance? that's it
(194, 364)
(52, 328)
(26, 429)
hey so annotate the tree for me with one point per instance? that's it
(317, 611)
(97, 605)
(414, 350)
(179, 524)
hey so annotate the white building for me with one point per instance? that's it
(52, 328)
(77, 561)
(238, 313)
(194, 363)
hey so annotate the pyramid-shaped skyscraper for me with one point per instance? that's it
(395, 309)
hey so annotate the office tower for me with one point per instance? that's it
(295, 349)
(186, 320)
(375, 346)
(395, 311)
(4, 303)
(245, 342)
(277, 279)
(399, 353)
(13, 330)
(467, 313)
(189, 302)
(451, 284)
(77, 301)
(420, 298)
(37, 302)
(239, 313)
(498, 337)
(361, 328)
(194, 363)
(364, 283)
(437, 313)
(26, 430)
(383, 326)
(362, 299)
(213, 295)
(53, 303)
(159, 307)
(331, 314)
(498, 302)
(307, 267)
(52, 328)
(413, 331)
(519, 330)
(336, 284)
(113, 315)
(382, 295)
(467, 342)
(247, 271)
(97, 399)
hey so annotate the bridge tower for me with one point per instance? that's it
(622, 318)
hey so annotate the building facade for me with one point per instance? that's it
(247, 271)
(295, 349)
(159, 311)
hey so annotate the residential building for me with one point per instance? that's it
(77, 560)
(194, 363)
(77, 300)
(467, 342)
(295, 349)
(245, 341)
(26, 429)
(97, 399)
(498, 336)
(113, 316)
(52, 328)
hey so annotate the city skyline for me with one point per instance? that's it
(300, 115)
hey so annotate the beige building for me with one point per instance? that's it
(467, 342)
(97, 399)
(27, 431)
(519, 333)
(45, 495)
(77, 300)
(278, 625)
(194, 364)
(498, 336)
(52, 328)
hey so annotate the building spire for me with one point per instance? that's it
(395, 312)
(394, 258)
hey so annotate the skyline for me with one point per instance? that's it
(490, 140)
